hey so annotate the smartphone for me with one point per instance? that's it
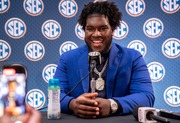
(13, 89)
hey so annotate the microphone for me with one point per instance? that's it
(169, 114)
(94, 59)
(148, 114)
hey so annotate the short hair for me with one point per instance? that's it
(109, 9)
(12, 81)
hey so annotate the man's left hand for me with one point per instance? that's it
(104, 106)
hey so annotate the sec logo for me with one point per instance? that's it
(121, 31)
(172, 96)
(139, 46)
(15, 28)
(66, 46)
(35, 98)
(156, 71)
(153, 27)
(34, 51)
(48, 72)
(171, 48)
(5, 50)
(33, 7)
(79, 32)
(68, 8)
(51, 29)
(135, 8)
(4, 6)
(170, 6)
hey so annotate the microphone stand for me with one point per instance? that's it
(93, 81)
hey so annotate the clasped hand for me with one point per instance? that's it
(88, 105)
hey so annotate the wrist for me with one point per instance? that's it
(71, 105)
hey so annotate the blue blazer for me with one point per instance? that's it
(127, 77)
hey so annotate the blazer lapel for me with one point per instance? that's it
(114, 61)
(84, 69)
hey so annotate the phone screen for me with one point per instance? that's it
(13, 89)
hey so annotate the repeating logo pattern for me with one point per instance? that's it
(48, 72)
(170, 6)
(139, 46)
(171, 48)
(51, 29)
(153, 27)
(5, 50)
(33, 7)
(35, 98)
(15, 28)
(79, 32)
(172, 96)
(68, 8)
(121, 31)
(34, 50)
(4, 6)
(156, 70)
(66, 46)
(135, 8)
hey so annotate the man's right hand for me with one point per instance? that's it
(85, 106)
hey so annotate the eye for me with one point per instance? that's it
(103, 28)
(90, 29)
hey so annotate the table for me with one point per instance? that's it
(66, 118)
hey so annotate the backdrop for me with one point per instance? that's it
(34, 33)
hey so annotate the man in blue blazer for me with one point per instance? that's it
(122, 79)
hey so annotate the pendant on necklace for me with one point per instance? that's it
(100, 84)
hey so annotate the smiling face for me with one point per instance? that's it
(98, 33)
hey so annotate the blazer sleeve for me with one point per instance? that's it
(140, 90)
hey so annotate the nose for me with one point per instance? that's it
(96, 33)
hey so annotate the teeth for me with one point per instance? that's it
(97, 41)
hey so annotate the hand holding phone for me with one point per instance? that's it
(31, 116)
(13, 87)
(13, 91)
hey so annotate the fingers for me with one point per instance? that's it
(88, 108)
(87, 111)
(35, 117)
(31, 115)
(5, 119)
(87, 99)
(87, 102)
(104, 106)
(28, 113)
(90, 95)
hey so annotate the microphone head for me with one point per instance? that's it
(94, 56)
(143, 114)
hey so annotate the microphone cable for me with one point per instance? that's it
(71, 89)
